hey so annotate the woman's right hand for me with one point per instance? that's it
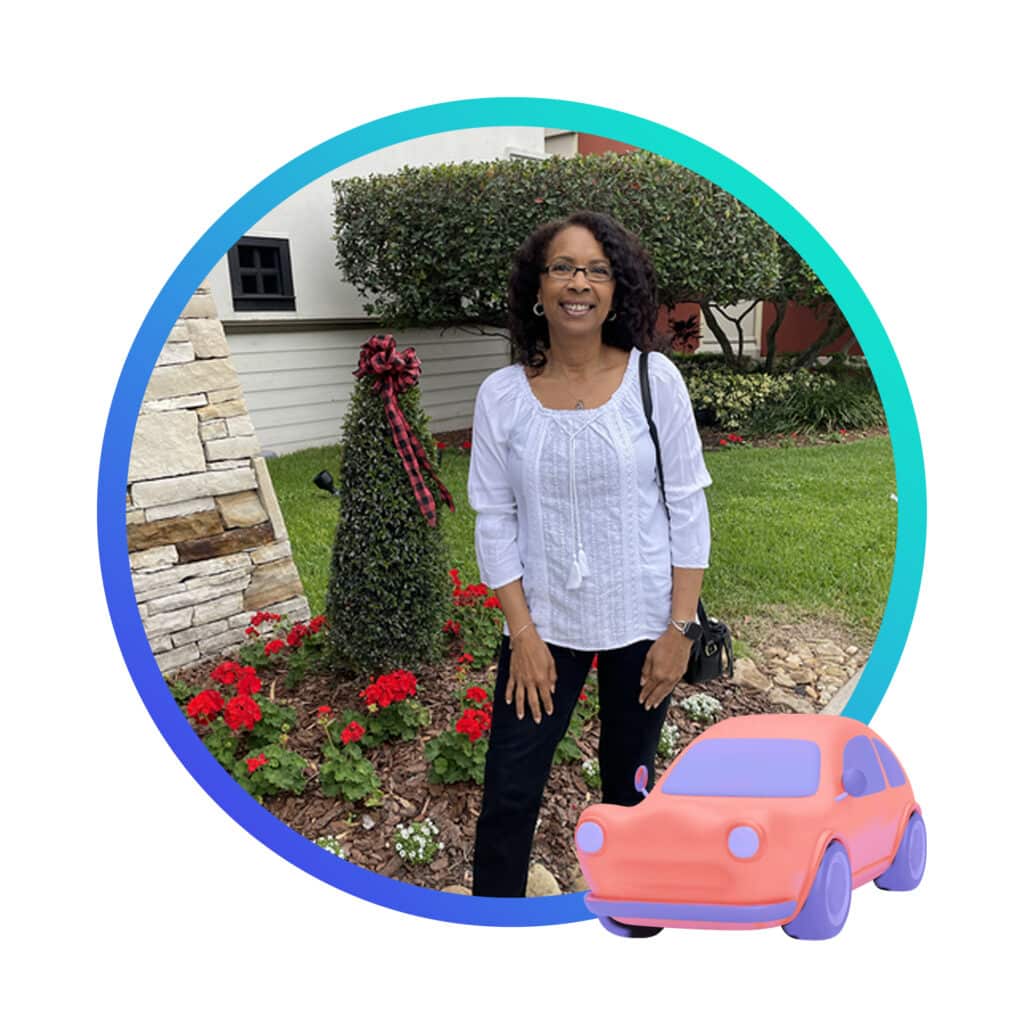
(531, 677)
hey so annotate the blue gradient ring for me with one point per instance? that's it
(235, 222)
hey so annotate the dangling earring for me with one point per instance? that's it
(538, 309)
(611, 316)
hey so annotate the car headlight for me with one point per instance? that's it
(590, 837)
(744, 842)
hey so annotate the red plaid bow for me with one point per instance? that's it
(397, 372)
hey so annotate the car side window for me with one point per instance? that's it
(860, 754)
(893, 771)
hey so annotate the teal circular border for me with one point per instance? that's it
(444, 117)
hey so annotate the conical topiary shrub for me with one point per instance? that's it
(388, 592)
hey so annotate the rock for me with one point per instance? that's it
(174, 353)
(748, 674)
(200, 305)
(368, 822)
(227, 543)
(194, 485)
(190, 379)
(827, 649)
(223, 410)
(852, 649)
(239, 426)
(232, 448)
(178, 657)
(207, 337)
(458, 890)
(243, 509)
(802, 676)
(578, 883)
(166, 444)
(776, 652)
(175, 509)
(782, 679)
(794, 660)
(541, 882)
(154, 558)
(792, 700)
(169, 531)
(212, 430)
(271, 583)
(271, 552)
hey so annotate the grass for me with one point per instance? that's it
(796, 532)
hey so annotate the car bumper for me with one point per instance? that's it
(717, 913)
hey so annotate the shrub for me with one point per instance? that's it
(701, 707)
(761, 403)
(591, 772)
(416, 843)
(344, 770)
(390, 228)
(387, 593)
(668, 741)
(270, 770)
(391, 711)
(459, 754)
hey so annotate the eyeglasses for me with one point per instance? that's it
(563, 270)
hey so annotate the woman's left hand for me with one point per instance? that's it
(664, 667)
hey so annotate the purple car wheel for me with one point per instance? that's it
(629, 931)
(907, 867)
(824, 911)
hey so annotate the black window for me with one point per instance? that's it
(261, 274)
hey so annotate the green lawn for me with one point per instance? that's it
(800, 531)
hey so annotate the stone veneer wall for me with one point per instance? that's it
(206, 540)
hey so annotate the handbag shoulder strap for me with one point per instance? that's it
(645, 394)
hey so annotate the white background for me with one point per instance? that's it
(130, 128)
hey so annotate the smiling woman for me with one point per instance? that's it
(571, 531)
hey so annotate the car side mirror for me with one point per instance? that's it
(640, 779)
(855, 782)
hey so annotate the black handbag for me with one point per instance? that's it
(711, 655)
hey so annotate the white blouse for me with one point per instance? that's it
(568, 500)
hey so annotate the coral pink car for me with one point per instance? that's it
(763, 820)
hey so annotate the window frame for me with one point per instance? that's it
(247, 302)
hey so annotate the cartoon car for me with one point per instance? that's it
(762, 820)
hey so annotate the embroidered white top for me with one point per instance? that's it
(568, 500)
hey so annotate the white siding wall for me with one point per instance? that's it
(297, 385)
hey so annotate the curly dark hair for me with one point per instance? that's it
(636, 292)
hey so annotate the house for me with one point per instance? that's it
(294, 328)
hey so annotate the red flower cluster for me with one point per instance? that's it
(441, 445)
(252, 763)
(324, 711)
(492, 602)
(473, 723)
(735, 438)
(464, 658)
(465, 446)
(260, 617)
(242, 677)
(317, 623)
(390, 689)
(241, 713)
(273, 647)
(205, 707)
(451, 627)
(297, 634)
(352, 733)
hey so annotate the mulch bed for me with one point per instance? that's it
(366, 832)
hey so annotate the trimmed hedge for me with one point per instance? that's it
(388, 591)
(432, 246)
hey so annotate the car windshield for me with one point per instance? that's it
(746, 767)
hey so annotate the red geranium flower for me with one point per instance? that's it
(241, 713)
(352, 733)
(260, 617)
(476, 694)
(226, 673)
(441, 446)
(205, 706)
(464, 658)
(451, 627)
(297, 634)
(492, 602)
(724, 442)
(252, 763)
(251, 631)
(465, 446)
(273, 647)
(247, 682)
(456, 581)
(583, 697)
(317, 623)
(593, 664)
(473, 723)
(324, 710)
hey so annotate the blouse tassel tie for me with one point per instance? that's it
(580, 570)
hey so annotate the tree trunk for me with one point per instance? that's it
(780, 312)
(720, 335)
(835, 326)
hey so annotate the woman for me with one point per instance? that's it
(571, 531)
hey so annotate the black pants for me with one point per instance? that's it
(520, 753)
